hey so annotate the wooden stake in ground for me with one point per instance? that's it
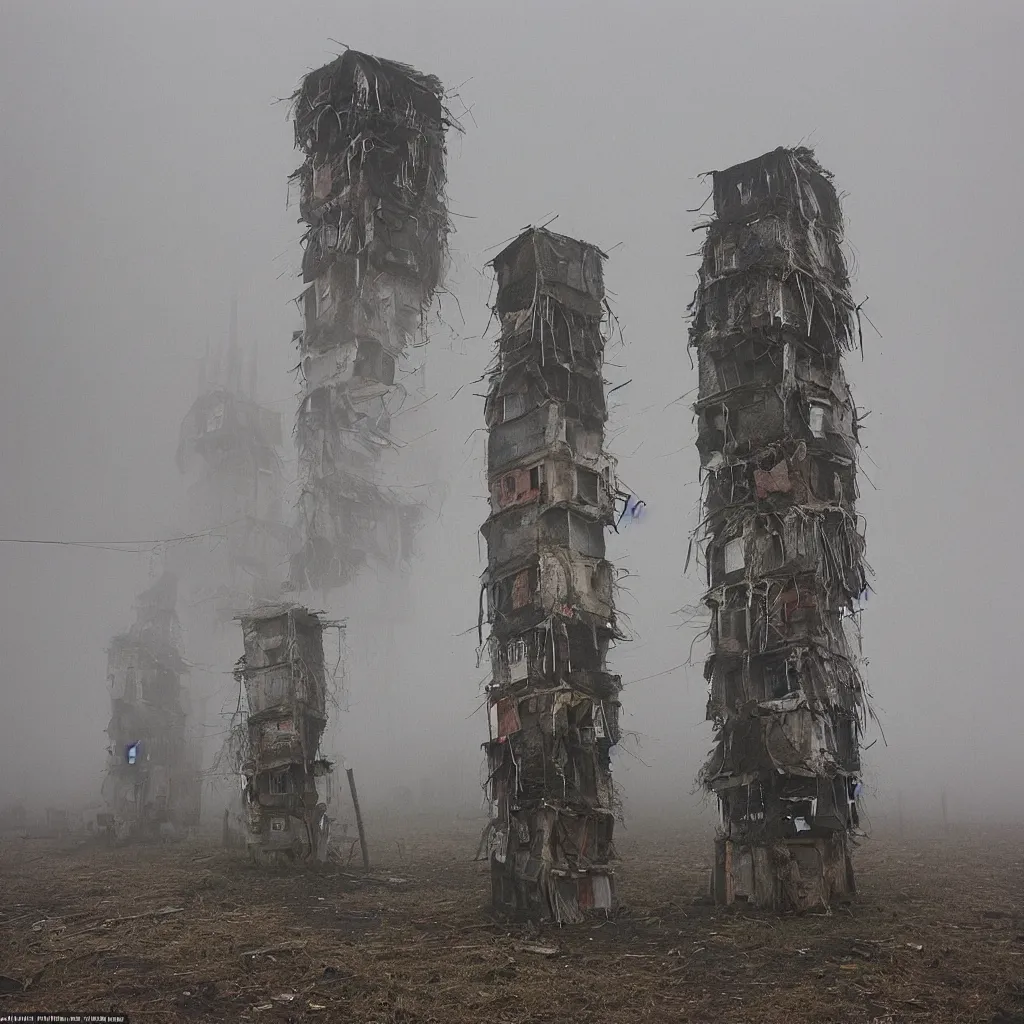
(359, 818)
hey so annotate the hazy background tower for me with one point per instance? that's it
(153, 765)
(777, 435)
(237, 554)
(553, 706)
(372, 196)
(229, 452)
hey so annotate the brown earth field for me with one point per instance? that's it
(191, 932)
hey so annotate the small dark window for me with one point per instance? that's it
(373, 363)
(732, 625)
(587, 484)
(514, 406)
(714, 419)
(728, 374)
(777, 680)
(535, 476)
(725, 256)
(586, 537)
(515, 592)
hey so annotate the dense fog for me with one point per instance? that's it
(143, 173)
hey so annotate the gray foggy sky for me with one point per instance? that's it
(143, 170)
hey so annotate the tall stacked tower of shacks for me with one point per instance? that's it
(372, 197)
(285, 684)
(229, 453)
(777, 435)
(153, 765)
(371, 192)
(553, 705)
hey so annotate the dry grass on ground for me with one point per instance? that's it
(166, 934)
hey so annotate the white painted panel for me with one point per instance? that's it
(734, 559)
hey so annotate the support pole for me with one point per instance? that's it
(359, 819)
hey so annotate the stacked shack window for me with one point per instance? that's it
(372, 196)
(777, 435)
(553, 706)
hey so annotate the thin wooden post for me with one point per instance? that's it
(359, 819)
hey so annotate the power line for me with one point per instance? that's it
(129, 546)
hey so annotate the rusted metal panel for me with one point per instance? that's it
(508, 717)
(522, 592)
(517, 486)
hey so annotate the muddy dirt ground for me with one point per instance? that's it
(190, 932)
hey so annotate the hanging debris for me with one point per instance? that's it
(553, 707)
(279, 757)
(372, 194)
(152, 782)
(777, 436)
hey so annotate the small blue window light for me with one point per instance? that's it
(131, 753)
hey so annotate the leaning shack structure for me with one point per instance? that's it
(285, 683)
(777, 435)
(372, 196)
(553, 705)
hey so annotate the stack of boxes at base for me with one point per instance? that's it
(553, 706)
(153, 771)
(372, 195)
(286, 690)
(777, 435)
